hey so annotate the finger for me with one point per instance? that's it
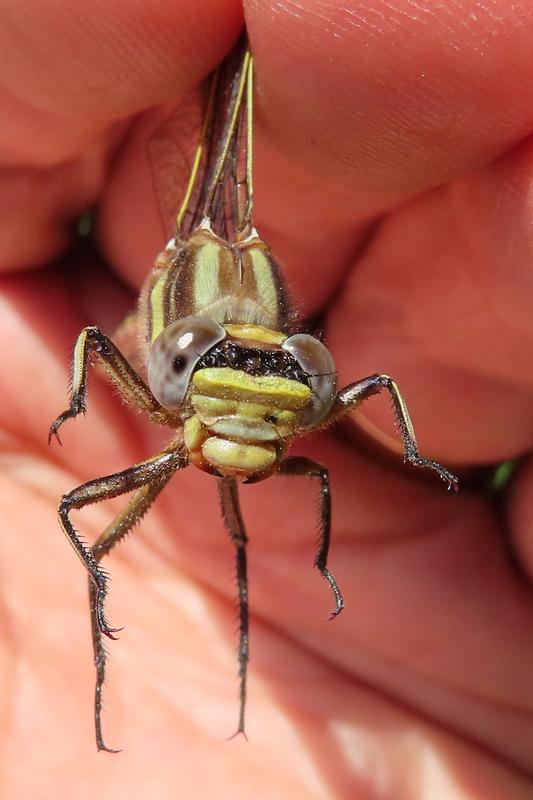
(102, 62)
(38, 206)
(494, 206)
(440, 301)
(395, 96)
(60, 102)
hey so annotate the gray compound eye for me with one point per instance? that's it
(174, 355)
(317, 362)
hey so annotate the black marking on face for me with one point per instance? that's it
(254, 361)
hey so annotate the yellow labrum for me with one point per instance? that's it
(233, 384)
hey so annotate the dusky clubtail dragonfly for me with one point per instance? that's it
(225, 366)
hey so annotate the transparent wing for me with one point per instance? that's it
(183, 152)
(171, 150)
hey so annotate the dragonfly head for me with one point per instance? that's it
(241, 390)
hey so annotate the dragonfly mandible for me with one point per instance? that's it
(225, 366)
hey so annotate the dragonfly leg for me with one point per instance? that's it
(300, 466)
(152, 470)
(132, 388)
(354, 394)
(231, 512)
(117, 530)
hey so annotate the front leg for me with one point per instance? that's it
(131, 387)
(152, 471)
(354, 394)
(299, 465)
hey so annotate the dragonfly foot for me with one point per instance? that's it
(53, 433)
(57, 423)
(105, 628)
(451, 480)
(101, 746)
(239, 731)
(335, 612)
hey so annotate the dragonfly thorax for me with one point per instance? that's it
(237, 282)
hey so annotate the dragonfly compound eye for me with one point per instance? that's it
(317, 362)
(174, 355)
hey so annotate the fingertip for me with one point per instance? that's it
(109, 60)
(392, 96)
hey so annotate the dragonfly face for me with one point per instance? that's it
(226, 368)
(241, 389)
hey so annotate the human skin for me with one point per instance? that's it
(393, 168)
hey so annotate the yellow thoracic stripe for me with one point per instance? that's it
(156, 304)
(206, 274)
(264, 280)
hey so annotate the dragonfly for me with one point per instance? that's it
(224, 363)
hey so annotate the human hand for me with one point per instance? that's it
(421, 688)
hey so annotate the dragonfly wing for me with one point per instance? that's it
(170, 154)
